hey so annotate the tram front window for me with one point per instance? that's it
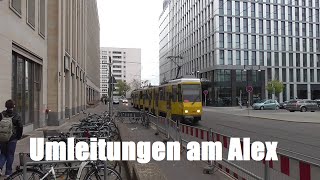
(191, 93)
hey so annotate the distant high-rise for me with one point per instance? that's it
(126, 66)
(233, 44)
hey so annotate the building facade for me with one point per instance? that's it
(126, 66)
(233, 44)
(49, 58)
(23, 54)
(73, 57)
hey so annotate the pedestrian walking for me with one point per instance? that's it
(11, 130)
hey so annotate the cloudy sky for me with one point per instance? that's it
(133, 24)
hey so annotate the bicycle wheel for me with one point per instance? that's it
(32, 174)
(97, 173)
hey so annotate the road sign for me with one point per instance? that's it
(205, 92)
(249, 89)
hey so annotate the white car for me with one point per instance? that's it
(116, 101)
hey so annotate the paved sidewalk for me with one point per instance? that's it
(24, 144)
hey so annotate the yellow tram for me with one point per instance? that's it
(179, 99)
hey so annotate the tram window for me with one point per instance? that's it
(179, 93)
(174, 93)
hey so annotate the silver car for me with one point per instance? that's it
(266, 104)
(302, 105)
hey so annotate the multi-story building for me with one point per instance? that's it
(23, 54)
(126, 66)
(234, 44)
(49, 55)
(73, 57)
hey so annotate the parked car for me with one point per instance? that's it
(266, 104)
(116, 100)
(302, 105)
(318, 102)
(283, 104)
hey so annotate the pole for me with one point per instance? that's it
(110, 88)
(205, 99)
(240, 101)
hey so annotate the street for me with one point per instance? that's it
(296, 135)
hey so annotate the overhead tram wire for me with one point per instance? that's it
(272, 33)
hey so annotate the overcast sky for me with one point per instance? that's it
(133, 24)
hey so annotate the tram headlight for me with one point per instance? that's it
(186, 111)
(198, 111)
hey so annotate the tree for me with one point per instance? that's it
(122, 88)
(275, 87)
(135, 84)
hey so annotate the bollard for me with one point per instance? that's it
(105, 170)
(266, 169)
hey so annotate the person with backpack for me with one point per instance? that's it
(11, 130)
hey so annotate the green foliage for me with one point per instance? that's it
(275, 86)
(123, 88)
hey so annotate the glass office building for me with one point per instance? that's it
(233, 44)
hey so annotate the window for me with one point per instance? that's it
(237, 40)
(311, 45)
(237, 24)
(42, 18)
(31, 13)
(298, 75)
(284, 75)
(221, 2)
(310, 15)
(297, 14)
(261, 58)
(253, 40)
(253, 9)
(268, 59)
(317, 15)
(304, 29)
(238, 58)
(304, 44)
(297, 44)
(269, 43)
(261, 42)
(261, 10)
(317, 30)
(289, 12)
(284, 59)
(311, 75)
(283, 12)
(276, 43)
(275, 27)
(318, 75)
(229, 40)
(305, 75)
(283, 28)
(261, 26)
(304, 18)
(253, 26)
(290, 44)
(221, 57)
(245, 9)
(291, 80)
(290, 28)
(237, 8)
(246, 60)
(268, 27)
(221, 40)
(318, 44)
(304, 60)
(245, 43)
(229, 7)
(275, 10)
(283, 43)
(254, 58)
(311, 60)
(245, 25)
(276, 59)
(221, 23)
(310, 30)
(229, 57)
(297, 60)
(15, 5)
(229, 24)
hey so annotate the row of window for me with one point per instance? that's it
(284, 9)
(278, 59)
(244, 43)
(16, 5)
(293, 28)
